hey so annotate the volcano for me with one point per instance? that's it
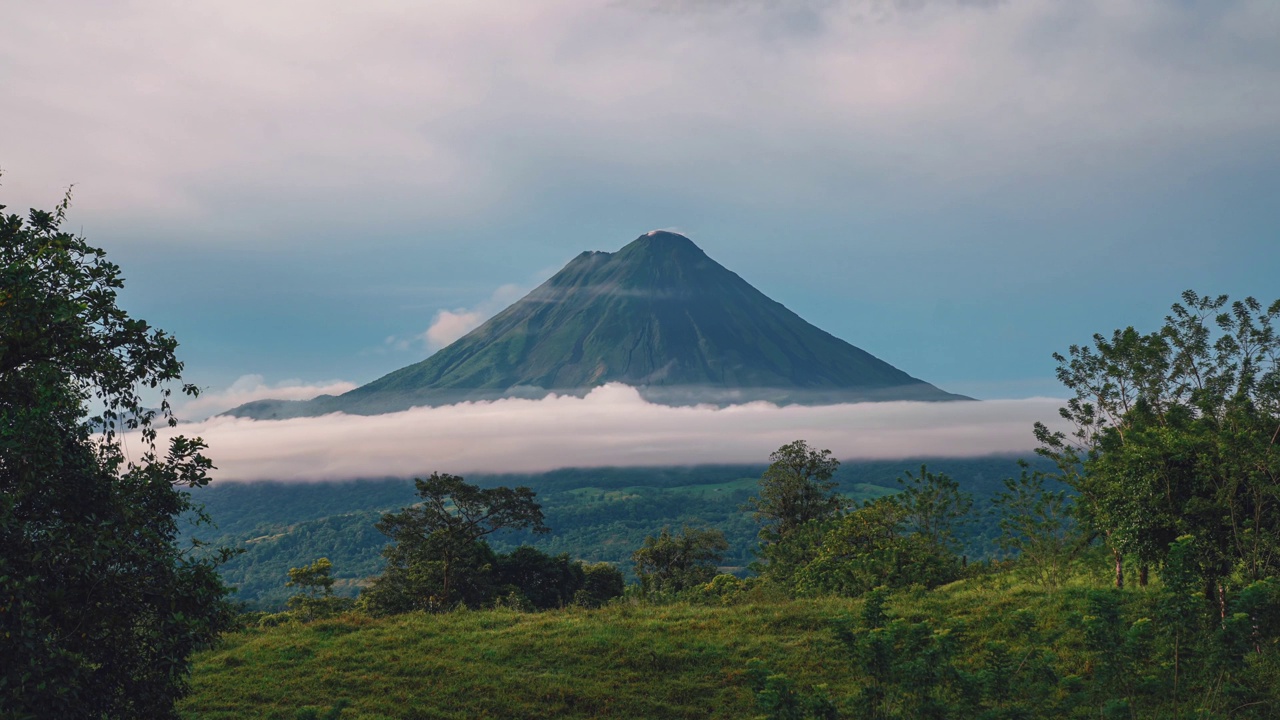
(659, 315)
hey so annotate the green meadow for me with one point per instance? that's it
(640, 659)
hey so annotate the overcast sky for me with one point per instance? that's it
(312, 194)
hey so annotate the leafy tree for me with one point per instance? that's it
(100, 610)
(781, 562)
(1037, 524)
(601, 582)
(1175, 433)
(795, 489)
(543, 580)
(439, 557)
(675, 562)
(314, 579)
(316, 598)
(935, 508)
(797, 505)
(872, 547)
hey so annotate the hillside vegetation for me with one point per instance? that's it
(596, 515)
(1025, 651)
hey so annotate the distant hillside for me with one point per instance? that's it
(596, 514)
(659, 315)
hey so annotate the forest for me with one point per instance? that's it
(595, 514)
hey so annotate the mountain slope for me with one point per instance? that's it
(659, 314)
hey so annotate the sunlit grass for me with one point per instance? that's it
(627, 660)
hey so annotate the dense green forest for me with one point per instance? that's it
(595, 515)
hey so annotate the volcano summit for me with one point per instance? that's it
(659, 315)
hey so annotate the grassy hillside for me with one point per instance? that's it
(679, 660)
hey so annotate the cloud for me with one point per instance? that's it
(455, 111)
(248, 388)
(611, 426)
(449, 325)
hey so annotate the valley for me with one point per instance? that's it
(596, 515)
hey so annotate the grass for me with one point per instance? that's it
(677, 661)
(627, 660)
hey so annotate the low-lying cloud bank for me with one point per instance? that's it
(254, 387)
(611, 426)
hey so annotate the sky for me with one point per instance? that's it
(309, 195)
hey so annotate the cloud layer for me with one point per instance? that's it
(455, 109)
(612, 426)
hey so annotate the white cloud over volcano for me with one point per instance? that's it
(254, 387)
(611, 426)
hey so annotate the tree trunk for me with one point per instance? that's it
(1143, 571)
(1119, 569)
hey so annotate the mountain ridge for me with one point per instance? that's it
(658, 314)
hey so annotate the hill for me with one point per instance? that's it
(990, 646)
(659, 315)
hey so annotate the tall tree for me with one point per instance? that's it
(936, 508)
(797, 505)
(1175, 433)
(795, 489)
(100, 609)
(439, 557)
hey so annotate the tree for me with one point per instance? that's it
(601, 582)
(935, 508)
(316, 598)
(1037, 524)
(795, 489)
(1175, 433)
(674, 562)
(439, 557)
(874, 546)
(100, 609)
(543, 581)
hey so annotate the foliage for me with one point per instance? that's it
(1175, 433)
(542, 580)
(936, 508)
(439, 558)
(871, 547)
(599, 515)
(986, 647)
(1036, 523)
(601, 582)
(780, 562)
(795, 489)
(316, 600)
(671, 563)
(100, 609)
(778, 697)
(797, 505)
